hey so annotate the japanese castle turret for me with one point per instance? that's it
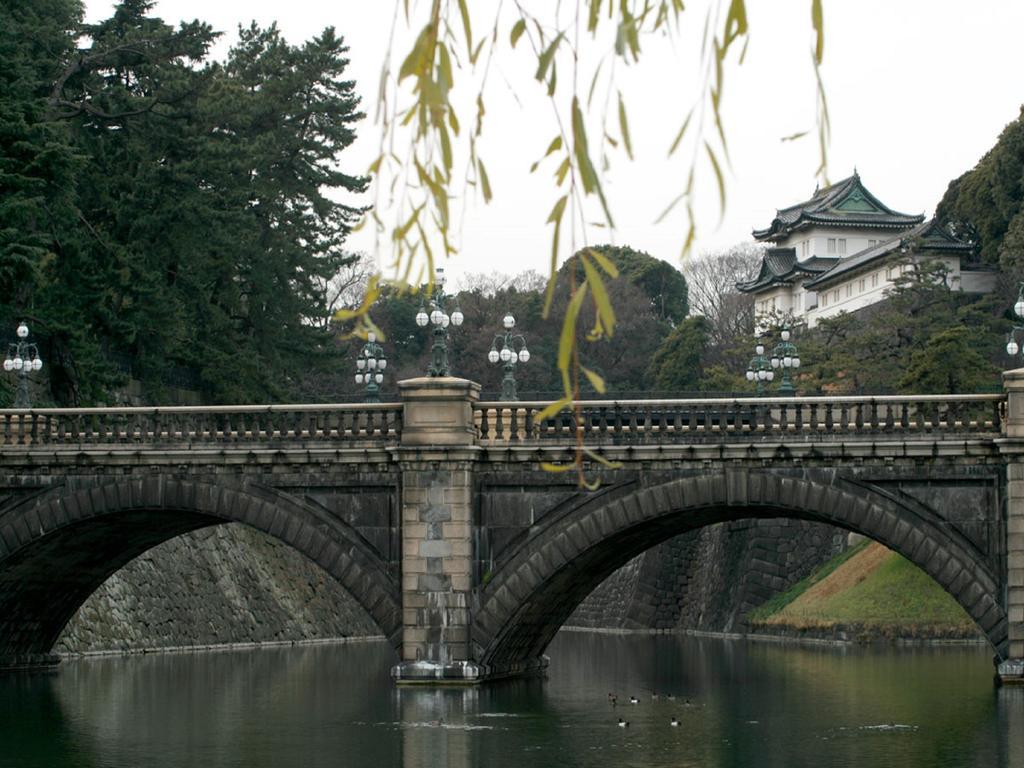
(843, 248)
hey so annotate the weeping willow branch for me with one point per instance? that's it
(423, 132)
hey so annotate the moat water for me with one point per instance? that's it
(738, 704)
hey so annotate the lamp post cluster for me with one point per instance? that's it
(433, 311)
(1012, 347)
(22, 358)
(784, 358)
(759, 368)
(509, 355)
(370, 367)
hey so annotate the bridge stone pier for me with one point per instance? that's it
(441, 515)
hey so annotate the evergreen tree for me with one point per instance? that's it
(988, 201)
(37, 161)
(159, 211)
(664, 286)
(678, 365)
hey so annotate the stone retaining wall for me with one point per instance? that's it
(226, 584)
(232, 584)
(711, 578)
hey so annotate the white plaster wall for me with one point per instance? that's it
(866, 288)
(817, 241)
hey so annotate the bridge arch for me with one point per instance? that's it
(59, 546)
(537, 587)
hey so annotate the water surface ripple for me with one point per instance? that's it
(738, 704)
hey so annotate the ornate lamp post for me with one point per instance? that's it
(433, 311)
(508, 355)
(759, 369)
(23, 358)
(1012, 347)
(786, 357)
(370, 367)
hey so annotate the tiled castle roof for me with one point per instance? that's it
(781, 266)
(929, 236)
(847, 203)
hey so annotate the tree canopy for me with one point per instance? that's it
(163, 212)
(987, 202)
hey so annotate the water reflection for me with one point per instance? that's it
(738, 704)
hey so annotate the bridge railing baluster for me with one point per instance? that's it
(622, 422)
(499, 425)
(480, 423)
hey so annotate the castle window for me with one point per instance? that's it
(872, 243)
(849, 290)
(874, 280)
(863, 285)
(835, 295)
(842, 245)
(831, 245)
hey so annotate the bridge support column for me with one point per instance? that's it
(436, 456)
(1011, 670)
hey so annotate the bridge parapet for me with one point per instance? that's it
(228, 425)
(808, 418)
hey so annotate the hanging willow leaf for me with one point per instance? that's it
(595, 379)
(602, 303)
(584, 165)
(593, 83)
(682, 132)
(593, 15)
(719, 179)
(517, 31)
(547, 56)
(485, 184)
(735, 23)
(624, 127)
(567, 339)
(554, 146)
(818, 22)
(555, 217)
(371, 294)
(606, 264)
(547, 466)
(429, 68)
(551, 410)
(464, 12)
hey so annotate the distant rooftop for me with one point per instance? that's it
(927, 237)
(780, 266)
(847, 203)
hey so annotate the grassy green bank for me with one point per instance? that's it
(866, 593)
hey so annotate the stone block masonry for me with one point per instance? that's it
(1012, 669)
(463, 547)
(437, 456)
(709, 579)
(223, 585)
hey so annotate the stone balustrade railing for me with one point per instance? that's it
(596, 421)
(804, 418)
(201, 426)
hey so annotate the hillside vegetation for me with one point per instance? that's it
(870, 592)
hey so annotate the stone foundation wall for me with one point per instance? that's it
(225, 584)
(711, 578)
(231, 584)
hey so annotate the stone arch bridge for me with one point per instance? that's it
(439, 515)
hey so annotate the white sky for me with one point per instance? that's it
(918, 90)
